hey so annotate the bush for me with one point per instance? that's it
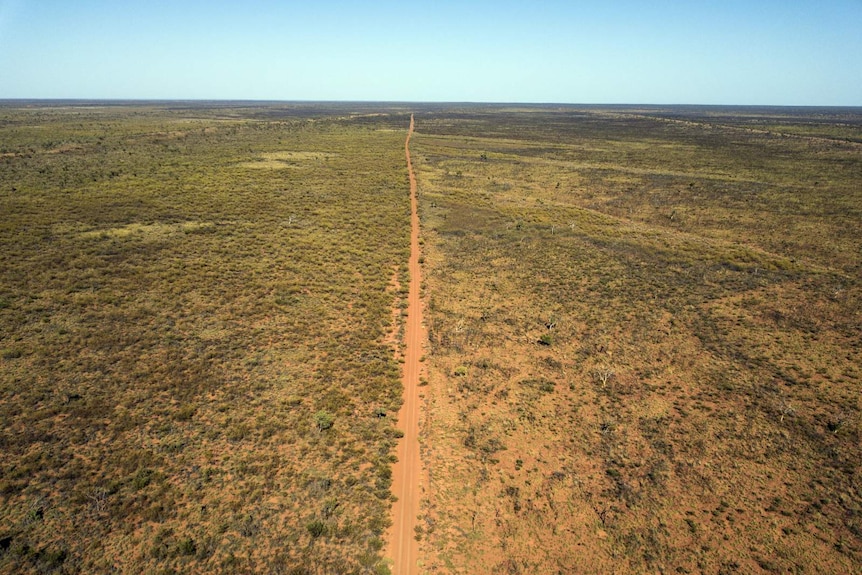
(316, 528)
(324, 420)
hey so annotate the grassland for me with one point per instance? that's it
(645, 338)
(197, 370)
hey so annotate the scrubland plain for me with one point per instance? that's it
(196, 331)
(643, 344)
(644, 340)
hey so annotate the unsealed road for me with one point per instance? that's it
(403, 547)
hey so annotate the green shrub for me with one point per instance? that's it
(324, 420)
(316, 528)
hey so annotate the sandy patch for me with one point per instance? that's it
(139, 229)
(288, 160)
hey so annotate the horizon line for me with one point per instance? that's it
(72, 100)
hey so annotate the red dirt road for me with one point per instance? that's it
(403, 547)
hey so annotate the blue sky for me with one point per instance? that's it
(784, 52)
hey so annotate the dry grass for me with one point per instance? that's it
(644, 338)
(644, 344)
(194, 357)
(287, 160)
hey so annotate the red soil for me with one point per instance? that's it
(403, 547)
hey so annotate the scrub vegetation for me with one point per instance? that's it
(197, 369)
(644, 340)
(644, 337)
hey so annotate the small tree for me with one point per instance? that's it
(324, 420)
(603, 375)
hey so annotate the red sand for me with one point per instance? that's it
(403, 547)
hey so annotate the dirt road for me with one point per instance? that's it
(403, 547)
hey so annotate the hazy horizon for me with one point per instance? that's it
(263, 101)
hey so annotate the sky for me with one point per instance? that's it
(742, 52)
